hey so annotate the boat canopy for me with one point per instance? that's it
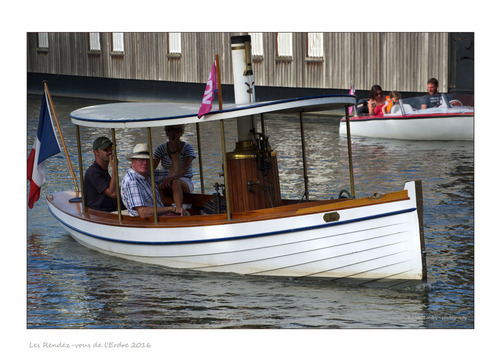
(149, 114)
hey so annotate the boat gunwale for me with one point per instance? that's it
(364, 118)
(242, 236)
(285, 211)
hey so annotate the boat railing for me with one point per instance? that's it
(151, 116)
(448, 101)
(400, 109)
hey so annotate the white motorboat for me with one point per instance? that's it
(451, 121)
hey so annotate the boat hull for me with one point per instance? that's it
(441, 126)
(379, 240)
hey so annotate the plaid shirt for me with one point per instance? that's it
(137, 192)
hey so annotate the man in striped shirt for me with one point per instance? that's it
(136, 189)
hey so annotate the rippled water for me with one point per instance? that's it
(70, 286)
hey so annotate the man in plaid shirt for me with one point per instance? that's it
(136, 189)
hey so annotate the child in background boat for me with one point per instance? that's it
(392, 99)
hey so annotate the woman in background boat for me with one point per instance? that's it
(376, 101)
(176, 157)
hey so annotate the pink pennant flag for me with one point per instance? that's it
(208, 96)
(352, 92)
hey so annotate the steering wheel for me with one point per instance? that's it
(456, 103)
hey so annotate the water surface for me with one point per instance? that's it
(70, 286)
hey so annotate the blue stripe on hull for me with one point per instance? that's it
(255, 235)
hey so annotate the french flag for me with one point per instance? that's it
(210, 91)
(46, 145)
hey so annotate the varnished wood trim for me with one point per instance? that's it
(352, 203)
(61, 201)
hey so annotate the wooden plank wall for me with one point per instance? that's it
(396, 61)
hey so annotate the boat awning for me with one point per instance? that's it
(146, 114)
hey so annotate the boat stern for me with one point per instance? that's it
(414, 189)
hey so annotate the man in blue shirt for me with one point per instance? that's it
(433, 99)
(99, 186)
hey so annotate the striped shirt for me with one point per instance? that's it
(166, 162)
(137, 192)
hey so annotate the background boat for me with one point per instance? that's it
(454, 120)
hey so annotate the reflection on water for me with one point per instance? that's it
(70, 286)
(82, 288)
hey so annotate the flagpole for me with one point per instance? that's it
(219, 90)
(62, 138)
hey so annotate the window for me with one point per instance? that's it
(43, 40)
(118, 45)
(284, 45)
(94, 42)
(257, 45)
(315, 45)
(174, 43)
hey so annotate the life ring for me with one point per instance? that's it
(348, 195)
(456, 103)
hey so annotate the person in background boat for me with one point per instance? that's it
(376, 101)
(176, 157)
(99, 186)
(433, 99)
(392, 100)
(136, 188)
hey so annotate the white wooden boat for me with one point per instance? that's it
(257, 233)
(369, 238)
(451, 121)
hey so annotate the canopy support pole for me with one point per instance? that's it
(80, 166)
(223, 142)
(304, 158)
(226, 175)
(200, 159)
(115, 172)
(152, 173)
(349, 150)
